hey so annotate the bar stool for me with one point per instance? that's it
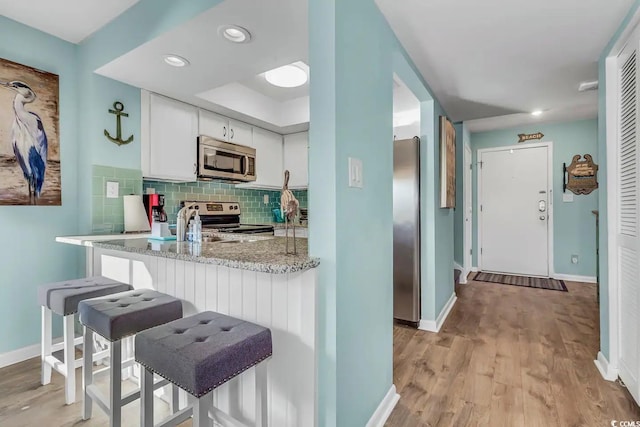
(198, 354)
(116, 317)
(62, 298)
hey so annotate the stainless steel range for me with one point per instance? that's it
(225, 217)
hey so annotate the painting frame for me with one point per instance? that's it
(447, 164)
(30, 172)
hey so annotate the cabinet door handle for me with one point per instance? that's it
(224, 131)
(195, 168)
(232, 133)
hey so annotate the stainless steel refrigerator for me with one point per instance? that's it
(406, 231)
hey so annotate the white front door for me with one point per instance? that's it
(514, 210)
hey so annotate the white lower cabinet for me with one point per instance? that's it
(169, 130)
(296, 159)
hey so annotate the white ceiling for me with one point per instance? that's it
(70, 20)
(279, 37)
(505, 58)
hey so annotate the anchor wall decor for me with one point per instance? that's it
(118, 110)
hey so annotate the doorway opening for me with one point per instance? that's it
(406, 205)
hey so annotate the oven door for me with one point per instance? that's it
(221, 160)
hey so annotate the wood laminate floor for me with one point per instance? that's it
(508, 356)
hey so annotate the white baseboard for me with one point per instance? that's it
(607, 371)
(435, 325)
(573, 278)
(474, 269)
(463, 273)
(383, 411)
(22, 354)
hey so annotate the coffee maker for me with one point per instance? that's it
(154, 207)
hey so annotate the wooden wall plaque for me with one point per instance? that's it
(582, 175)
(524, 137)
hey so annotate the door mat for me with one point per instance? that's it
(529, 282)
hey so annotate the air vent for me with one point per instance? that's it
(588, 86)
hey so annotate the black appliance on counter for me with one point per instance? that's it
(154, 207)
(225, 217)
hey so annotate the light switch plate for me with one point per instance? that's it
(355, 173)
(151, 190)
(265, 199)
(567, 197)
(113, 189)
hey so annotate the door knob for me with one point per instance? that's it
(542, 217)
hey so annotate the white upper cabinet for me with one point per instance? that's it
(169, 130)
(224, 129)
(213, 125)
(240, 133)
(269, 165)
(296, 159)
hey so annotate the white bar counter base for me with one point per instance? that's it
(284, 303)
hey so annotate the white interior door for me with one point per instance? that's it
(627, 221)
(514, 210)
(468, 211)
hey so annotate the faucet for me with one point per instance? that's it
(184, 215)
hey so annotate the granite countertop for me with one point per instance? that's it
(255, 253)
(280, 225)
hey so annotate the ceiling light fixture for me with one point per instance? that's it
(176, 61)
(287, 76)
(536, 113)
(234, 33)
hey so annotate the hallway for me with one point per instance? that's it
(508, 356)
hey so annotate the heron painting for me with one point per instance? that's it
(29, 136)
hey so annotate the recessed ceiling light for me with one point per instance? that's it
(536, 113)
(234, 33)
(175, 60)
(286, 76)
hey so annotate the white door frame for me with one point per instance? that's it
(467, 207)
(550, 215)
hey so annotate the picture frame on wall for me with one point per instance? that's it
(29, 136)
(447, 164)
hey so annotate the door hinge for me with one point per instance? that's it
(481, 250)
(470, 251)
(480, 208)
(471, 166)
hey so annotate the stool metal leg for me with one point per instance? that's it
(175, 399)
(261, 395)
(146, 398)
(201, 408)
(46, 346)
(69, 359)
(115, 386)
(87, 373)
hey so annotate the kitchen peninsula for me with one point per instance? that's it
(250, 278)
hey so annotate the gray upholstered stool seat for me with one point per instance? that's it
(200, 353)
(127, 313)
(63, 297)
(115, 317)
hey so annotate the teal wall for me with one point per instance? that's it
(574, 224)
(84, 100)
(143, 22)
(602, 197)
(353, 54)
(30, 255)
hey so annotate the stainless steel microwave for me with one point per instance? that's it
(224, 160)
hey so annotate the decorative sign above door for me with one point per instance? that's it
(524, 137)
(582, 175)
